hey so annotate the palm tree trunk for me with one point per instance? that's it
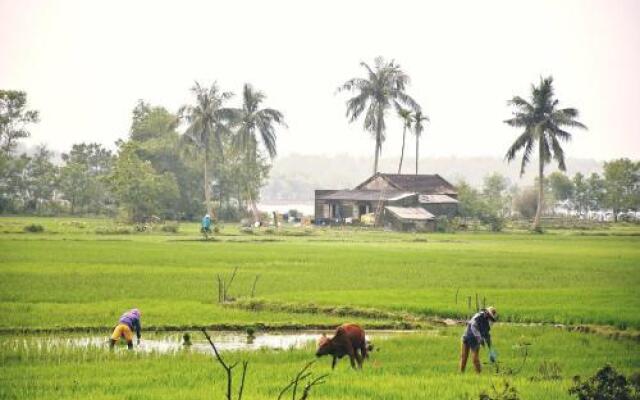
(417, 152)
(404, 135)
(375, 163)
(207, 198)
(536, 220)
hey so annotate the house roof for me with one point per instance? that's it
(366, 195)
(427, 184)
(436, 199)
(410, 213)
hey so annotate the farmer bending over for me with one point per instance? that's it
(127, 323)
(476, 334)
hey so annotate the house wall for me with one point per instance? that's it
(438, 209)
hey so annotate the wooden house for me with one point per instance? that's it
(402, 201)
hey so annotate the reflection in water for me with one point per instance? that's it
(172, 342)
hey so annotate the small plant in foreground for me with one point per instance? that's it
(501, 392)
(549, 370)
(607, 384)
(34, 228)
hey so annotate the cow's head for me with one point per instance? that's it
(324, 346)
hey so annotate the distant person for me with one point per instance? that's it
(206, 224)
(475, 335)
(128, 322)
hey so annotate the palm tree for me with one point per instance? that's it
(254, 121)
(418, 128)
(207, 123)
(406, 116)
(383, 88)
(542, 121)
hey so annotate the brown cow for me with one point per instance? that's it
(349, 338)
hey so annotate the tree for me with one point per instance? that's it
(561, 186)
(14, 118)
(418, 128)
(622, 184)
(42, 176)
(82, 177)
(383, 88)
(596, 191)
(254, 121)
(406, 116)
(542, 121)
(138, 188)
(580, 192)
(495, 192)
(207, 121)
(526, 202)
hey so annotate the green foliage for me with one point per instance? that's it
(138, 188)
(83, 179)
(171, 227)
(500, 392)
(34, 228)
(543, 123)
(622, 182)
(607, 384)
(384, 87)
(488, 207)
(561, 186)
(14, 118)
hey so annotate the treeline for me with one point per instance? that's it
(612, 195)
(219, 163)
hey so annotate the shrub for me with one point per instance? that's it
(171, 228)
(607, 384)
(443, 224)
(34, 228)
(506, 392)
(117, 230)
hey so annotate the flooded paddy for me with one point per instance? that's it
(173, 342)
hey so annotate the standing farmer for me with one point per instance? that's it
(475, 335)
(128, 322)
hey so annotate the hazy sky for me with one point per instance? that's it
(85, 63)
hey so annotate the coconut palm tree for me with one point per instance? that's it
(256, 125)
(383, 88)
(406, 116)
(418, 127)
(207, 123)
(542, 122)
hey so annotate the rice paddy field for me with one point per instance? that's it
(79, 275)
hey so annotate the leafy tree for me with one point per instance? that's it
(581, 192)
(14, 118)
(153, 129)
(622, 183)
(14, 182)
(82, 177)
(596, 191)
(254, 121)
(542, 121)
(496, 194)
(607, 384)
(383, 88)
(406, 116)
(418, 128)
(473, 204)
(42, 178)
(207, 122)
(526, 202)
(140, 191)
(561, 186)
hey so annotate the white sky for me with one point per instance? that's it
(85, 63)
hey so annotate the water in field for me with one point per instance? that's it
(172, 342)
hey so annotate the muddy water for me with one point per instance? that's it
(172, 342)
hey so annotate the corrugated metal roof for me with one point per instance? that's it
(436, 199)
(411, 213)
(366, 195)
